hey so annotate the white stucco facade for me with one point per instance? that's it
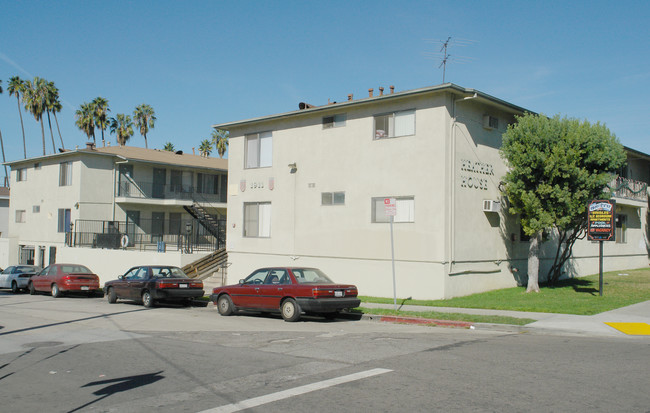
(443, 167)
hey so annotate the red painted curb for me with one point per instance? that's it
(426, 321)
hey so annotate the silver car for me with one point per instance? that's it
(16, 277)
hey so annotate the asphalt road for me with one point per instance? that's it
(85, 355)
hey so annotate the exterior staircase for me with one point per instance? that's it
(211, 269)
(211, 223)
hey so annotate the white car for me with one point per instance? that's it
(16, 277)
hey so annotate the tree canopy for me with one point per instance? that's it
(556, 166)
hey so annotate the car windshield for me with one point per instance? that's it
(167, 272)
(311, 276)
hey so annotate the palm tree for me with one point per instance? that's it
(3, 149)
(206, 147)
(122, 127)
(34, 97)
(144, 118)
(220, 138)
(101, 110)
(51, 101)
(86, 120)
(16, 87)
(169, 147)
(55, 109)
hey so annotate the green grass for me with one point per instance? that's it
(572, 296)
(472, 318)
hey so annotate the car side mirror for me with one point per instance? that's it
(120, 277)
(241, 282)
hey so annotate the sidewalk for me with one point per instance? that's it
(577, 324)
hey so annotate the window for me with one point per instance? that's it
(64, 220)
(395, 124)
(21, 174)
(65, 174)
(36, 209)
(259, 150)
(333, 198)
(257, 219)
(20, 215)
(174, 222)
(621, 229)
(334, 121)
(405, 207)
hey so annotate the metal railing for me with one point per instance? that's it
(147, 234)
(150, 190)
(629, 189)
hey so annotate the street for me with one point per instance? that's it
(77, 354)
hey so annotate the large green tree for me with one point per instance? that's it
(122, 126)
(100, 115)
(52, 103)
(16, 87)
(556, 166)
(220, 138)
(35, 97)
(144, 118)
(85, 120)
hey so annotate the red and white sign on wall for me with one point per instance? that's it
(390, 209)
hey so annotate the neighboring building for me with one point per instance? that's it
(93, 197)
(308, 187)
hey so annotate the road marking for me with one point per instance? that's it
(632, 329)
(297, 391)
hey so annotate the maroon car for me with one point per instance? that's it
(289, 290)
(63, 278)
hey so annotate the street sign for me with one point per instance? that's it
(390, 208)
(600, 220)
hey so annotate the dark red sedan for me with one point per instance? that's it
(289, 290)
(59, 279)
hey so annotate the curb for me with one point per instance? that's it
(417, 320)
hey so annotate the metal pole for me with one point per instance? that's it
(392, 254)
(600, 269)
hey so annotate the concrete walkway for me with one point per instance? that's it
(576, 324)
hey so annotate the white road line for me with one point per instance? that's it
(297, 391)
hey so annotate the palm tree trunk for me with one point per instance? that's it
(43, 135)
(49, 121)
(59, 130)
(103, 141)
(22, 126)
(145, 141)
(4, 160)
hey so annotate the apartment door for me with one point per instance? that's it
(159, 176)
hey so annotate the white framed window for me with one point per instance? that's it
(65, 174)
(21, 174)
(20, 215)
(334, 121)
(621, 229)
(332, 198)
(257, 219)
(259, 150)
(404, 205)
(392, 125)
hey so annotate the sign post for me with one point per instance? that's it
(390, 209)
(600, 227)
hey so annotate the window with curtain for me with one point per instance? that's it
(65, 174)
(392, 125)
(405, 208)
(259, 150)
(257, 219)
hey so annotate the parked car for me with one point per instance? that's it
(16, 277)
(151, 283)
(288, 290)
(59, 279)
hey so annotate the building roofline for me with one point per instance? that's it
(446, 87)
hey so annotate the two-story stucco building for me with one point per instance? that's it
(308, 187)
(115, 197)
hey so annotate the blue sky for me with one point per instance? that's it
(198, 63)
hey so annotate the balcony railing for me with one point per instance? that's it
(629, 189)
(147, 234)
(150, 190)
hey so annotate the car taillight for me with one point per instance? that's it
(167, 285)
(352, 291)
(66, 278)
(320, 292)
(196, 284)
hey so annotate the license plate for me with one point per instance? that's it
(338, 293)
(182, 285)
(85, 288)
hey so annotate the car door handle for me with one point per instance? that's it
(279, 288)
(257, 289)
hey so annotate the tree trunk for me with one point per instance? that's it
(59, 130)
(533, 263)
(145, 141)
(43, 134)
(22, 126)
(4, 160)
(49, 122)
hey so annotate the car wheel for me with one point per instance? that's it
(147, 300)
(290, 310)
(56, 293)
(31, 288)
(14, 287)
(111, 297)
(225, 305)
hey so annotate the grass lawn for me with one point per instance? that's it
(472, 318)
(573, 296)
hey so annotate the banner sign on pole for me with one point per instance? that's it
(390, 207)
(600, 220)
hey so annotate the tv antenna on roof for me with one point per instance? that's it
(445, 57)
